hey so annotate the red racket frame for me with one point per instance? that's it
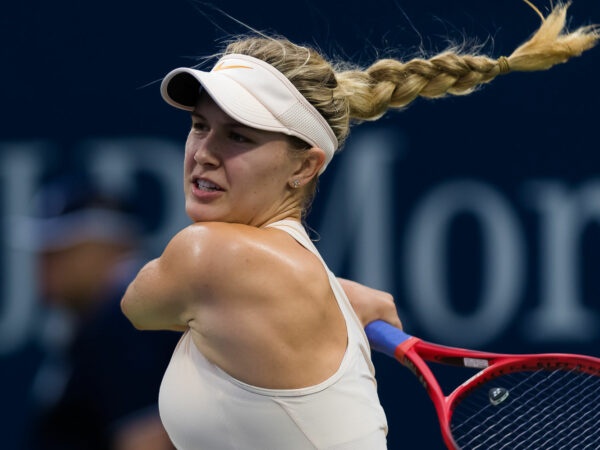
(413, 353)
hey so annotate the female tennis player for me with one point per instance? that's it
(273, 353)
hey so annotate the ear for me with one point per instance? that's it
(309, 166)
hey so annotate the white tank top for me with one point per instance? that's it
(204, 408)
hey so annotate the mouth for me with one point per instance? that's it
(206, 185)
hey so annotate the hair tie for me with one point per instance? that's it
(503, 64)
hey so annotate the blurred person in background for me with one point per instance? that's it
(97, 384)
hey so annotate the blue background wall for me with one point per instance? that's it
(480, 213)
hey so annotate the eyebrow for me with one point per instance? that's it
(231, 122)
(198, 116)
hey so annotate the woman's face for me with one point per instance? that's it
(234, 173)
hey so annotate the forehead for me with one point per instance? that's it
(206, 105)
(207, 109)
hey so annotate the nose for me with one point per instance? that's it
(205, 153)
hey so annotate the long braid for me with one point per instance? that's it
(348, 96)
(390, 83)
(345, 96)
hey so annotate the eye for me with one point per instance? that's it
(199, 126)
(237, 137)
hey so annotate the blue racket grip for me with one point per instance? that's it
(384, 337)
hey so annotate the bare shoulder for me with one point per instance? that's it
(257, 297)
(209, 269)
(221, 241)
(215, 250)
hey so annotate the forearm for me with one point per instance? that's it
(371, 304)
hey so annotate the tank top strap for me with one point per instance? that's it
(296, 230)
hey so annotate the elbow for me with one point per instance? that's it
(128, 310)
(137, 312)
(133, 319)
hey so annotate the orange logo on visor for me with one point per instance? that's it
(222, 66)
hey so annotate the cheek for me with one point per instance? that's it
(265, 188)
(272, 168)
(259, 178)
(188, 157)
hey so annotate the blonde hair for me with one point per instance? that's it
(347, 96)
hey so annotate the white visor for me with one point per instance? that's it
(254, 93)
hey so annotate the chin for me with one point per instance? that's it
(194, 213)
(202, 214)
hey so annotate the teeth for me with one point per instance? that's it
(207, 185)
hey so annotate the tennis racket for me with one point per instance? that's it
(536, 401)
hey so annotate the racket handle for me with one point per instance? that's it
(385, 338)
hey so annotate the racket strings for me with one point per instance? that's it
(544, 409)
(474, 426)
(517, 433)
(540, 437)
(583, 419)
(544, 434)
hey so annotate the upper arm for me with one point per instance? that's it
(163, 294)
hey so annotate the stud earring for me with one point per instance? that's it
(296, 184)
